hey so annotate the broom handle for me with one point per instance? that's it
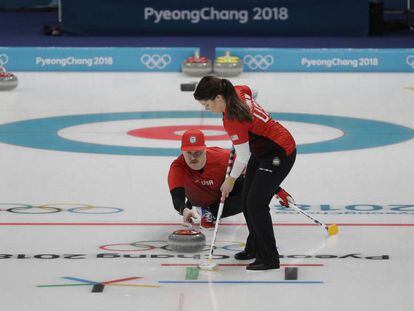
(221, 206)
(292, 205)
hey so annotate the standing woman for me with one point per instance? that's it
(268, 150)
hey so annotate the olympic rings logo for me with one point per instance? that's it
(155, 61)
(4, 59)
(259, 61)
(144, 246)
(410, 61)
(18, 208)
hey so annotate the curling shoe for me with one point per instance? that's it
(207, 221)
(243, 255)
(258, 265)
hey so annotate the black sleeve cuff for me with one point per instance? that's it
(178, 199)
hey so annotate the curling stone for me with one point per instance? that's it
(8, 81)
(188, 87)
(228, 66)
(197, 65)
(187, 240)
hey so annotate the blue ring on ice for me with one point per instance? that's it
(43, 133)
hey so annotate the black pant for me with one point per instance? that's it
(263, 176)
(233, 204)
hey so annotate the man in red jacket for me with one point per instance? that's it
(195, 177)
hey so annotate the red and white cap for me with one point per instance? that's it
(193, 140)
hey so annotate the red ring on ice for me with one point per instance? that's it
(175, 132)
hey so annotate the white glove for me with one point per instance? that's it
(189, 217)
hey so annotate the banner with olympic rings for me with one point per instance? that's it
(323, 60)
(94, 59)
(170, 59)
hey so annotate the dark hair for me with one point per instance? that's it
(210, 86)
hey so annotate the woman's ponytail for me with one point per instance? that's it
(235, 108)
(210, 86)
